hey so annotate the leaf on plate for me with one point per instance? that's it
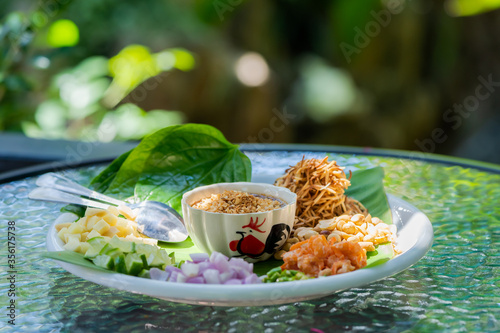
(382, 254)
(74, 209)
(181, 250)
(102, 181)
(172, 161)
(72, 258)
(367, 186)
(262, 267)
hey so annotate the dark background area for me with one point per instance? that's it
(414, 75)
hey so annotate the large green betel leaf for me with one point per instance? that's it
(172, 161)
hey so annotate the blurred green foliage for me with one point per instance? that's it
(468, 7)
(135, 64)
(75, 100)
(119, 69)
(76, 109)
(81, 99)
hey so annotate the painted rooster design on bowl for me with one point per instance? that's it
(251, 246)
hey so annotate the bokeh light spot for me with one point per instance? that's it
(165, 60)
(41, 62)
(63, 33)
(252, 70)
(327, 91)
(133, 65)
(183, 59)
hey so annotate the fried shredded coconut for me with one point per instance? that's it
(320, 186)
(318, 257)
(237, 202)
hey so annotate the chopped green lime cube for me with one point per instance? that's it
(133, 263)
(104, 261)
(124, 245)
(120, 266)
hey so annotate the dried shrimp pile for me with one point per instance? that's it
(318, 257)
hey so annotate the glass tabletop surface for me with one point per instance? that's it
(455, 287)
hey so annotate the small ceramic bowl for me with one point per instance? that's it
(254, 236)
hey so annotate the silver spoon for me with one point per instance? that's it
(154, 219)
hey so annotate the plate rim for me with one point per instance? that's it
(258, 294)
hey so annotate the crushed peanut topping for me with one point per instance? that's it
(367, 231)
(237, 202)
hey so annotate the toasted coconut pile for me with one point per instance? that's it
(236, 202)
(320, 187)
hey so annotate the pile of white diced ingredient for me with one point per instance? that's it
(119, 221)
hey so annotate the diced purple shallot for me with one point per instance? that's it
(173, 276)
(199, 257)
(181, 278)
(158, 274)
(238, 262)
(216, 254)
(171, 269)
(204, 265)
(220, 261)
(251, 279)
(196, 279)
(225, 276)
(212, 276)
(242, 273)
(205, 269)
(190, 269)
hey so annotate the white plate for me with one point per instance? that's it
(415, 237)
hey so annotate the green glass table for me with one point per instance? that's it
(455, 287)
